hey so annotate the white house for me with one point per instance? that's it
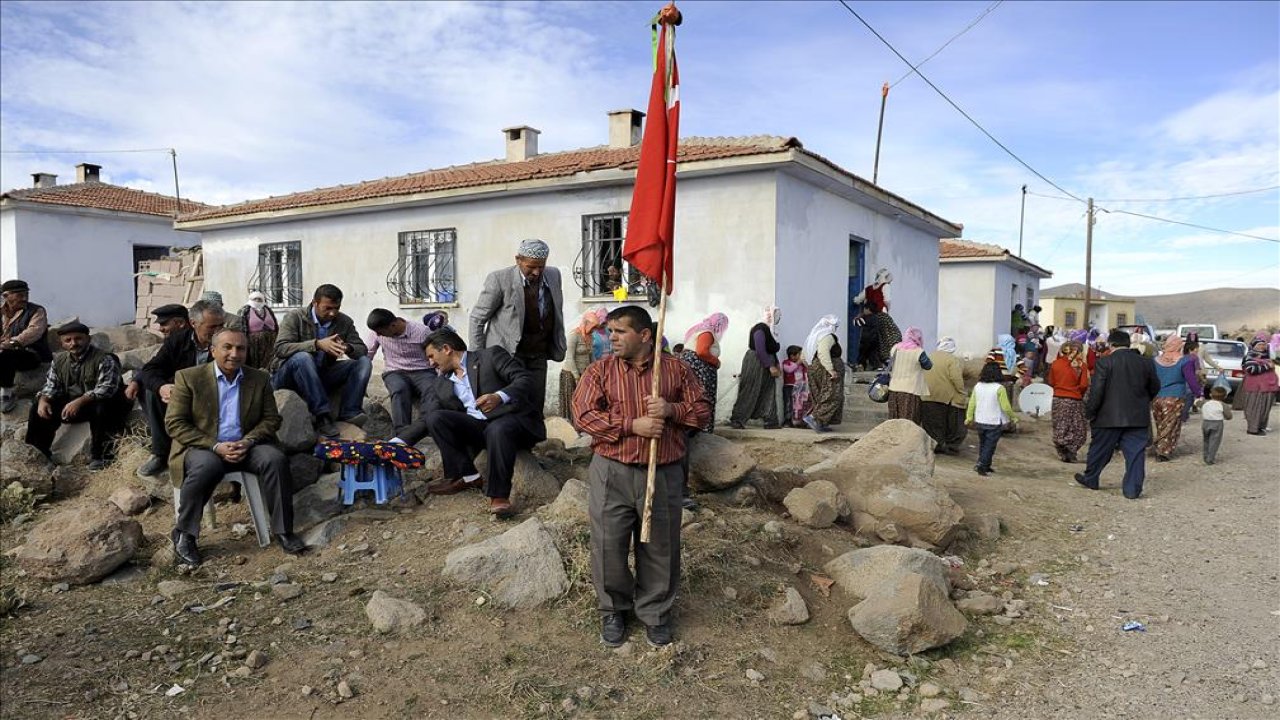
(978, 286)
(79, 245)
(759, 221)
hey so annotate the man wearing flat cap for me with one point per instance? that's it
(23, 343)
(521, 309)
(83, 386)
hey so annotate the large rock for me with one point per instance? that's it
(123, 338)
(72, 442)
(305, 469)
(23, 464)
(432, 466)
(908, 615)
(818, 504)
(560, 429)
(521, 568)
(130, 500)
(899, 449)
(531, 485)
(26, 383)
(135, 359)
(378, 423)
(861, 572)
(324, 533)
(716, 463)
(390, 615)
(317, 503)
(297, 433)
(570, 506)
(80, 545)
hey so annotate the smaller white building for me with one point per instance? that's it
(978, 287)
(78, 246)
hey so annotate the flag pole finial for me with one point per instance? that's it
(669, 15)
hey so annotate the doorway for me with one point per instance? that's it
(857, 283)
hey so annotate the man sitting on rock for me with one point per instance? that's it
(83, 386)
(479, 402)
(188, 339)
(223, 418)
(23, 341)
(311, 342)
(408, 375)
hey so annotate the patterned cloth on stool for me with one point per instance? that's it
(370, 466)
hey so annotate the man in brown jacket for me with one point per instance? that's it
(222, 418)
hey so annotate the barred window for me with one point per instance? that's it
(426, 270)
(279, 274)
(1069, 318)
(600, 269)
(1122, 318)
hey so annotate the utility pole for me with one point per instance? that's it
(177, 194)
(1088, 263)
(1022, 218)
(875, 169)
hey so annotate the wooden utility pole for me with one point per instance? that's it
(875, 168)
(1088, 264)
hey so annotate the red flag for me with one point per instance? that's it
(650, 243)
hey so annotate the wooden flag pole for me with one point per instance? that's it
(646, 519)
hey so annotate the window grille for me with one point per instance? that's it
(1069, 318)
(426, 269)
(600, 269)
(279, 274)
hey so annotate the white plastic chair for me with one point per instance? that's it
(257, 505)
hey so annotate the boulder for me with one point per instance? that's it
(983, 526)
(296, 433)
(716, 463)
(305, 469)
(14, 425)
(321, 535)
(72, 442)
(792, 610)
(390, 615)
(317, 503)
(560, 429)
(130, 500)
(135, 359)
(818, 504)
(26, 383)
(433, 464)
(349, 432)
(27, 466)
(570, 506)
(521, 568)
(898, 449)
(80, 545)
(908, 615)
(531, 485)
(861, 572)
(123, 338)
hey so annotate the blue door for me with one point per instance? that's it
(857, 282)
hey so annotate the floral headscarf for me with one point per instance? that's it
(1172, 351)
(591, 320)
(716, 324)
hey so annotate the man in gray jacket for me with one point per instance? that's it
(310, 350)
(521, 310)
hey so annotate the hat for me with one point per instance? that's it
(168, 312)
(14, 286)
(533, 249)
(75, 326)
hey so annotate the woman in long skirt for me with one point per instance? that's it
(1259, 388)
(259, 323)
(1069, 379)
(906, 379)
(702, 355)
(942, 413)
(758, 380)
(584, 348)
(1177, 377)
(826, 374)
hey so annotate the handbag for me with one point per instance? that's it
(879, 390)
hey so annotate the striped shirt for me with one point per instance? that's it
(405, 352)
(611, 395)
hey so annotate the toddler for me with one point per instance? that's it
(795, 387)
(1213, 413)
(989, 411)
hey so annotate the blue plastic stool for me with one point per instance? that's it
(383, 480)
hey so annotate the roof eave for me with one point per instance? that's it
(11, 203)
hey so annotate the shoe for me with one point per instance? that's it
(153, 466)
(1080, 479)
(613, 629)
(501, 508)
(453, 487)
(737, 425)
(1132, 497)
(981, 470)
(359, 419)
(1259, 433)
(97, 464)
(325, 427)
(291, 543)
(184, 548)
(658, 635)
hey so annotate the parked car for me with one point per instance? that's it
(1204, 331)
(1229, 355)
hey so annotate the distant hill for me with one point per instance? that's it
(1228, 308)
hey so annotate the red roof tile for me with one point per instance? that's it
(948, 248)
(104, 196)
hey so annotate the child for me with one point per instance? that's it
(1212, 414)
(795, 387)
(989, 411)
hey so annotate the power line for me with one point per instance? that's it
(1192, 197)
(966, 29)
(82, 152)
(1191, 225)
(953, 104)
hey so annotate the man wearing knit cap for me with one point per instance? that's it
(22, 338)
(521, 309)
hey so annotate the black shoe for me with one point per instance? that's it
(184, 547)
(981, 470)
(737, 425)
(658, 635)
(1080, 479)
(613, 629)
(291, 543)
(153, 466)
(325, 427)
(1132, 497)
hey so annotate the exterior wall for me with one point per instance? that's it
(81, 262)
(1006, 277)
(8, 245)
(1104, 314)
(966, 311)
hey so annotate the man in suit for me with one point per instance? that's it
(1118, 406)
(479, 402)
(310, 343)
(521, 310)
(223, 417)
(188, 335)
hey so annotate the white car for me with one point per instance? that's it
(1229, 355)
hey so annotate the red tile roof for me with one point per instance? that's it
(104, 196)
(951, 249)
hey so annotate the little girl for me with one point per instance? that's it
(989, 411)
(795, 387)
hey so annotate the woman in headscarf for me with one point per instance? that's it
(942, 412)
(826, 374)
(907, 385)
(1177, 377)
(586, 343)
(260, 324)
(1069, 378)
(757, 382)
(879, 332)
(702, 355)
(1259, 387)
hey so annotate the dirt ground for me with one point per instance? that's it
(1195, 560)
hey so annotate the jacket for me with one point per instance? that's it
(298, 334)
(1066, 381)
(192, 417)
(39, 345)
(1120, 391)
(908, 373)
(177, 353)
(946, 380)
(498, 315)
(489, 370)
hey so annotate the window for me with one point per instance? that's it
(600, 269)
(279, 274)
(1031, 298)
(427, 267)
(1122, 318)
(1069, 319)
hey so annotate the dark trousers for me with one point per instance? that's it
(461, 437)
(105, 418)
(1212, 431)
(788, 414)
(154, 409)
(14, 361)
(301, 374)
(537, 367)
(406, 387)
(1132, 442)
(616, 506)
(202, 470)
(988, 438)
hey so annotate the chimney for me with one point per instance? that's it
(43, 180)
(87, 172)
(522, 142)
(625, 128)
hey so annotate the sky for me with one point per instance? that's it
(1113, 100)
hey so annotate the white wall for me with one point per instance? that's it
(81, 262)
(1006, 276)
(967, 306)
(8, 245)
